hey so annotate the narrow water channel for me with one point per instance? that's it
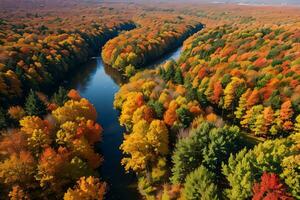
(99, 83)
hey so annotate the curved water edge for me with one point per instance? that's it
(99, 83)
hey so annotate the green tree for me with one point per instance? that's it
(246, 167)
(170, 70)
(157, 107)
(162, 73)
(34, 105)
(130, 70)
(200, 185)
(206, 145)
(185, 116)
(119, 63)
(60, 97)
(274, 100)
(225, 80)
(178, 78)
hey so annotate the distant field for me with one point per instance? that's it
(269, 2)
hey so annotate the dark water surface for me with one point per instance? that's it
(99, 83)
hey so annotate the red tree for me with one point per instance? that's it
(270, 188)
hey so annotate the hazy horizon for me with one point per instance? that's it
(261, 2)
(278, 2)
(241, 2)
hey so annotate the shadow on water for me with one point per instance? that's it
(118, 78)
(99, 83)
(171, 55)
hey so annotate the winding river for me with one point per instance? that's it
(99, 83)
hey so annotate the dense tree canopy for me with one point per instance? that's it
(38, 57)
(220, 122)
(200, 185)
(158, 35)
(43, 157)
(226, 74)
(258, 73)
(206, 145)
(246, 167)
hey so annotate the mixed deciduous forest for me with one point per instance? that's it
(221, 121)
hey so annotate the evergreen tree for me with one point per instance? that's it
(34, 105)
(187, 155)
(157, 107)
(199, 95)
(22, 77)
(200, 185)
(206, 145)
(191, 93)
(188, 82)
(170, 70)
(297, 124)
(3, 119)
(42, 59)
(226, 80)
(60, 97)
(178, 78)
(274, 100)
(185, 116)
(162, 73)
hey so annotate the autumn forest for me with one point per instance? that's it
(157, 100)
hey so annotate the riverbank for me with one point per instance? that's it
(99, 84)
(133, 50)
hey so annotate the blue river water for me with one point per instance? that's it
(99, 83)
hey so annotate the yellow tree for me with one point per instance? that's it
(87, 188)
(38, 133)
(67, 133)
(38, 141)
(240, 111)
(230, 90)
(134, 101)
(259, 125)
(263, 121)
(297, 125)
(75, 109)
(83, 149)
(18, 169)
(71, 130)
(31, 123)
(145, 145)
(253, 119)
(143, 112)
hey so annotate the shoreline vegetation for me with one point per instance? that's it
(168, 112)
(41, 64)
(134, 49)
